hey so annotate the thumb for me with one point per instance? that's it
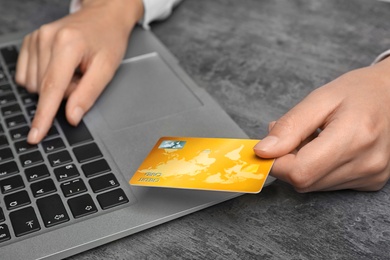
(287, 133)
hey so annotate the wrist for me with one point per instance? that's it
(382, 69)
(129, 12)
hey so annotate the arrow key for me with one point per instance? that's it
(82, 206)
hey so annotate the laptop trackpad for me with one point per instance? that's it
(144, 89)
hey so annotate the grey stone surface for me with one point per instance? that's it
(258, 59)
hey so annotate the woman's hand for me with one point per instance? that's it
(352, 148)
(75, 57)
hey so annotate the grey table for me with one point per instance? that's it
(258, 59)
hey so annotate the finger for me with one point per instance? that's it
(45, 39)
(72, 85)
(298, 124)
(32, 66)
(21, 67)
(338, 177)
(271, 125)
(359, 174)
(371, 183)
(308, 139)
(91, 85)
(66, 57)
(316, 159)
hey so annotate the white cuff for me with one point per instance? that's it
(75, 5)
(157, 10)
(153, 10)
(381, 57)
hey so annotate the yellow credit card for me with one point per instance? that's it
(219, 164)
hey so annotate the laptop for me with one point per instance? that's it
(70, 193)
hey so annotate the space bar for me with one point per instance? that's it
(74, 135)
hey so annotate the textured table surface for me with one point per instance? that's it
(258, 58)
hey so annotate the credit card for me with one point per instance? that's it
(218, 164)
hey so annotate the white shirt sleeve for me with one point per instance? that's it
(154, 10)
(381, 56)
(157, 10)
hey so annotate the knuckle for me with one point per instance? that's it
(368, 129)
(377, 163)
(375, 187)
(381, 180)
(300, 180)
(44, 37)
(44, 32)
(47, 85)
(67, 35)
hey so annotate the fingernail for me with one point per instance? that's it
(33, 135)
(266, 144)
(77, 114)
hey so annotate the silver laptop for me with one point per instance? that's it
(70, 193)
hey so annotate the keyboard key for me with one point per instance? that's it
(42, 188)
(30, 99)
(3, 77)
(4, 88)
(5, 154)
(15, 121)
(95, 168)
(12, 71)
(19, 133)
(17, 200)
(31, 110)
(66, 172)
(22, 90)
(77, 135)
(10, 55)
(74, 135)
(23, 146)
(74, 187)
(3, 141)
(31, 158)
(103, 183)
(10, 110)
(7, 169)
(52, 132)
(53, 145)
(4, 233)
(112, 199)
(87, 152)
(52, 210)
(82, 206)
(37, 172)
(2, 217)
(59, 158)
(6, 99)
(24, 221)
(11, 184)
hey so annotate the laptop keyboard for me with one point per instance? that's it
(63, 179)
